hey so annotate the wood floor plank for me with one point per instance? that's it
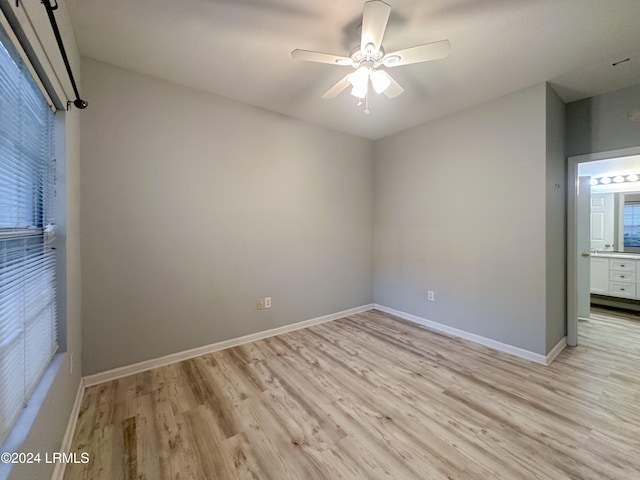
(100, 468)
(124, 450)
(376, 397)
(211, 459)
(173, 455)
(147, 448)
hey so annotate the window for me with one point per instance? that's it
(631, 224)
(27, 261)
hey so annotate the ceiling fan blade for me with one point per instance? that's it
(309, 56)
(394, 89)
(374, 23)
(421, 53)
(337, 88)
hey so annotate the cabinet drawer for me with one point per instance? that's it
(622, 265)
(622, 290)
(622, 277)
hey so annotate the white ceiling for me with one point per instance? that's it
(240, 49)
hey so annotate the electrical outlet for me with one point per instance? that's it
(267, 302)
(431, 296)
(260, 303)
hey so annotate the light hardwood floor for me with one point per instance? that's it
(373, 397)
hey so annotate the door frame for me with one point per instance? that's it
(572, 228)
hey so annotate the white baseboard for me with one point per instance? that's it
(58, 471)
(120, 372)
(555, 351)
(487, 342)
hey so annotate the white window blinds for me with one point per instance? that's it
(27, 261)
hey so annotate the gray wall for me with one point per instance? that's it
(460, 209)
(556, 219)
(194, 206)
(600, 124)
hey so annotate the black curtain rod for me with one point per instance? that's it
(78, 102)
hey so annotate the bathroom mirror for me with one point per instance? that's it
(615, 222)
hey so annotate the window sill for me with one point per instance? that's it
(28, 416)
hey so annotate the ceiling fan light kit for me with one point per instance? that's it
(369, 58)
(360, 82)
(380, 81)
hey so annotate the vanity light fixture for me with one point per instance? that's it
(617, 179)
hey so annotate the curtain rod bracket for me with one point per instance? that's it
(53, 7)
(42, 1)
(78, 103)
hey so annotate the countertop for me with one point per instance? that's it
(628, 256)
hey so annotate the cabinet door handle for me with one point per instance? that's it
(621, 276)
(622, 289)
(622, 265)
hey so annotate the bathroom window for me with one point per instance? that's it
(632, 224)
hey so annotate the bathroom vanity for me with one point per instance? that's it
(615, 275)
(615, 242)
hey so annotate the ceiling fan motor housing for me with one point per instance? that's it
(359, 57)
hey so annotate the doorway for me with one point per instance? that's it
(578, 257)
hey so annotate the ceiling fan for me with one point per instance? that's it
(369, 58)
